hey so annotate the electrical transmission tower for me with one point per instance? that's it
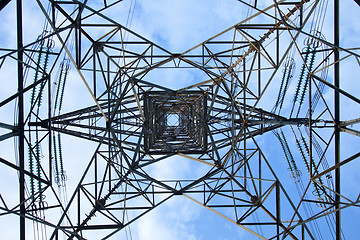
(267, 123)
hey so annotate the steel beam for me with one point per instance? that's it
(337, 118)
(23, 171)
(3, 3)
(21, 119)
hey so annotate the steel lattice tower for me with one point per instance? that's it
(273, 80)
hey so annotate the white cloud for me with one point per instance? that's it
(175, 221)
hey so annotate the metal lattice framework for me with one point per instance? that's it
(217, 122)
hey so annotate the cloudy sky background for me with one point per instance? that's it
(176, 26)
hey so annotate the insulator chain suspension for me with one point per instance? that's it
(43, 51)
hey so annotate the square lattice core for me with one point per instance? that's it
(175, 122)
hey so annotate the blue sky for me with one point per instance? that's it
(178, 26)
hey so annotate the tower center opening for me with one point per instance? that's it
(175, 122)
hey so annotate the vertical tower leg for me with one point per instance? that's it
(21, 119)
(337, 119)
